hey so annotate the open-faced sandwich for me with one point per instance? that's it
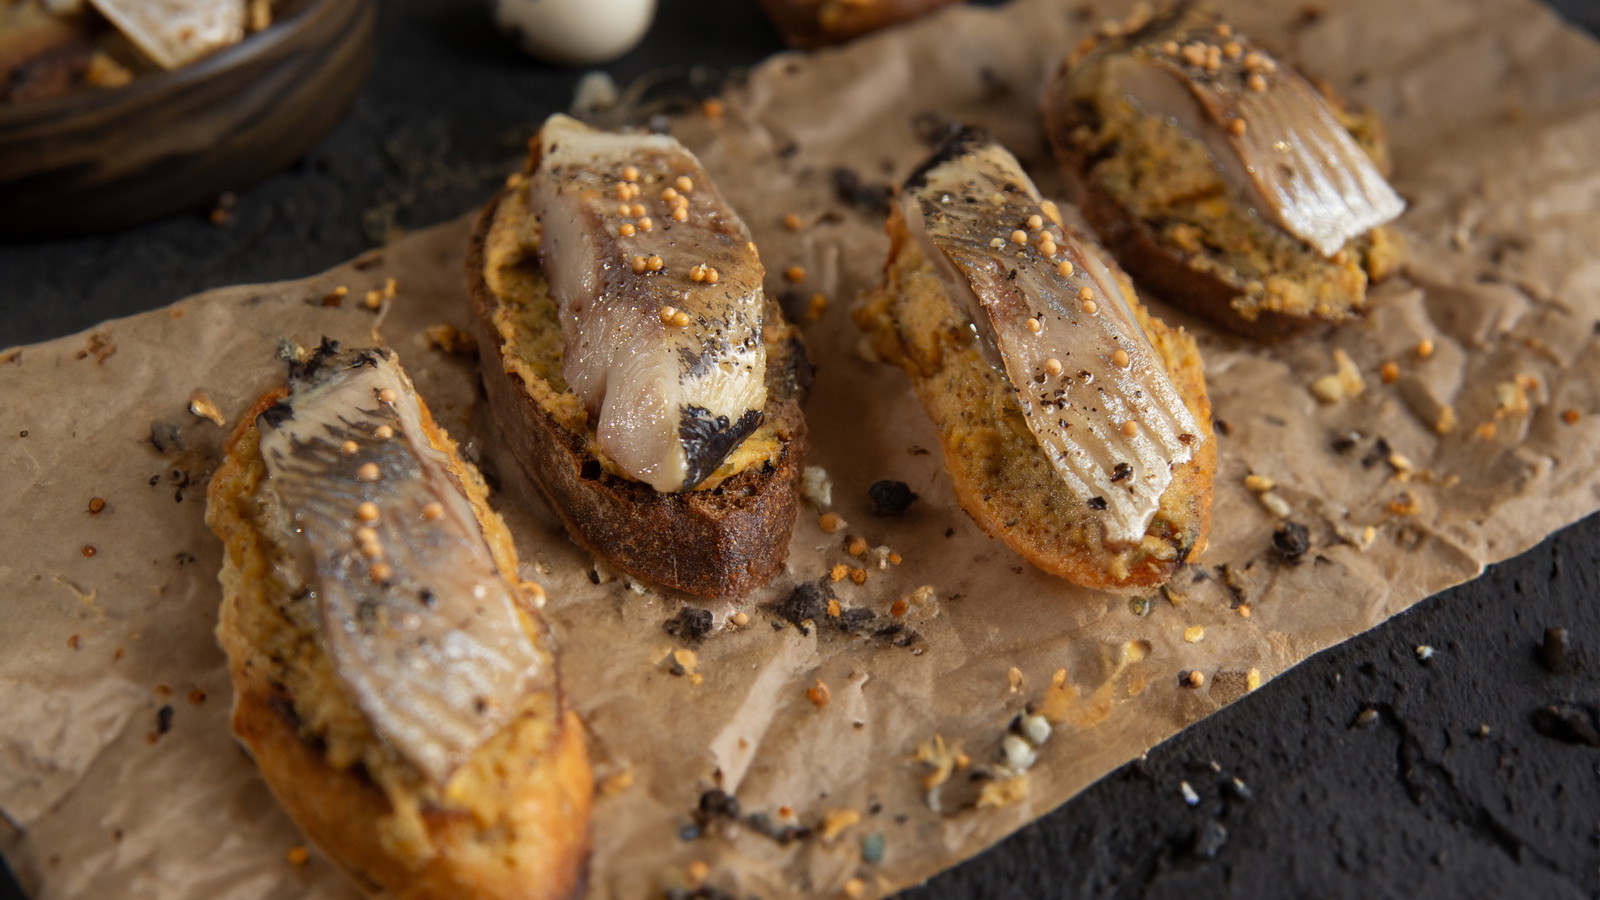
(392, 676)
(634, 363)
(1223, 179)
(1075, 427)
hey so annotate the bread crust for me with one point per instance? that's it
(719, 543)
(527, 840)
(971, 406)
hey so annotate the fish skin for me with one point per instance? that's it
(435, 656)
(669, 401)
(957, 206)
(1292, 160)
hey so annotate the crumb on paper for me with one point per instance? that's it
(1003, 792)
(939, 761)
(816, 487)
(830, 522)
(1275, 504)
(298, 855)
(447, 338)
(819, 694)
(1252, 679)
(203, 407)
(1259, 483)
(100, 346)
(1014, 678)
(1194, 634)
(1346, 381)
(835, 822)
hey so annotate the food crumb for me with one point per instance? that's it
(833, 608)
(1406, 504)
(713, 109)
(97, 505)
(899, 608)
(792, 222)
(838, 572)
(1389, 372)
(75, 642)
(1243, 610)
(1446, 422)
(1004, 792)
(816, 306)
(1252, 679)
(298, 855)
(1424, 652)
(740, 619)
(1193, 678)
(836, 821)
(816, 487)
(1014, 676)
(819, 694)
(890, 498)
(1570, 416)
(854, 888)
(858, 575)
(1424, 348)
(1194, 634)
(89, 550)
(895, 559)
(336, 296)
(447, 338)
(855, 546)
(202, 407)
(830, 522)
(1259, 483)
(795, 274)
(1275, 504)
(698, 871)
(373, 300)
(197, 697)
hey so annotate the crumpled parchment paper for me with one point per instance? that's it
(118, 776)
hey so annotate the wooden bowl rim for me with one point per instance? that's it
(262, 44)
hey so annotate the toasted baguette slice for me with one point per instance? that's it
(723, 539)
(508, 822)
(1162, 199)
(1003, 474)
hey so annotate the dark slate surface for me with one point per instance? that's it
(1455, 785)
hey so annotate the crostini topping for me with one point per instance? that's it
(1273, 135)
(670, 395)
(1087, 380)
(422, 629)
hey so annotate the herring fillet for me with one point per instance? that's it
(660, 296)
(1076, 393)
(1272, 134)
(434, 654)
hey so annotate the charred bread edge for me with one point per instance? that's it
(717, 543)
(1193, 480)
(337, 808)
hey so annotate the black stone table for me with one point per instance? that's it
(1454, 785)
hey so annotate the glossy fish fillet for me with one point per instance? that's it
(660, 297)
(422, 629)
(1270, 131)
(1051, 316)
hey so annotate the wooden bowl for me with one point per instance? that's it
(98, 159)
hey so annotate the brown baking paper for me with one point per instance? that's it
(1494, 114)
